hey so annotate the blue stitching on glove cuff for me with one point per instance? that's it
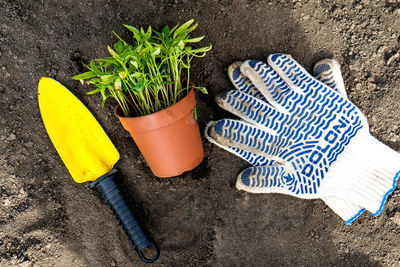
(349, 221)
(387, 194)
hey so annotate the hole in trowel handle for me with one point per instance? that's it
(150, 253)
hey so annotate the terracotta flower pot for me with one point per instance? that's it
(169, 139)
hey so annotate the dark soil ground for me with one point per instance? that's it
(198, 219)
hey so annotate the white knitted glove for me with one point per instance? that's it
(318, 140)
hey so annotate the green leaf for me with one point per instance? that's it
(203, 90)
(136, 32)
(95, 80)
(181, 45)
(152, 84)
(117, 84)
(106, 60)
(85, 75)
(95, 91)
(123, 74)
(94, 68)
(140, 85)
(156, 52)
(134, 63)
(145, 50)
(148, 33)
(201, 50)
(106, 77)
(174, 28)
(159, 35)
(119, 46)
(113, 54)
(192, 28)
(175, 42)
(165, 31)
(194, 40)
(183, 28)
(105, 97)
(122, 40)
(135, 74)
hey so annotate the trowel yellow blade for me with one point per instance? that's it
(81, 142)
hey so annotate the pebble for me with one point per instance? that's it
(393, 58)
(6, 202)
(25, 264)
(355, 67)
(359, 86)
(29, 144)
(11, 137)
(372, 86)
(396, 218)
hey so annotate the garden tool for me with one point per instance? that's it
(310, 141)
(88, 153)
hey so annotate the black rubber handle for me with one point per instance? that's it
(107, 187)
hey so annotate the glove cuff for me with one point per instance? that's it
(346, 210)
(365, 173)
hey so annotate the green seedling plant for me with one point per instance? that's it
(149, 75)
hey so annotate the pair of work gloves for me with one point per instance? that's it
(304, 137)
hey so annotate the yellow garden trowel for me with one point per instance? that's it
(88, 154)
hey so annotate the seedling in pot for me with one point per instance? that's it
(149, 75)
(150, 80)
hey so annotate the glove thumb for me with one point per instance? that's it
(328, 72)
(265, 179)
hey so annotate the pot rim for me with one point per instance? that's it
(160, 118)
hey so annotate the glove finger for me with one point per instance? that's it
(265, 179)
(295, 76)
(328, 72)
(242, 83)
(251, 109)
(290, 71)
(268, 82)
(244, 136)
(252, 158)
